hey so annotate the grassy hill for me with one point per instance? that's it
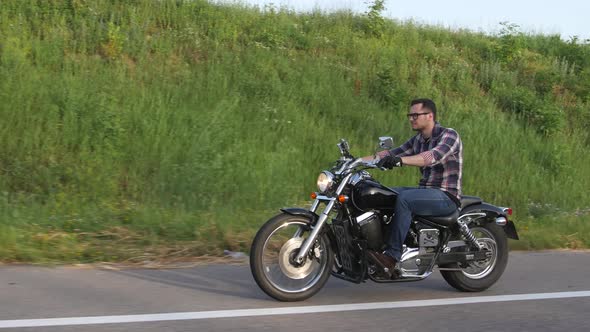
(137, 130)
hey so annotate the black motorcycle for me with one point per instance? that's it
(295, 252)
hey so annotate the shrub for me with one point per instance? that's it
(375, 21)
(543, 114)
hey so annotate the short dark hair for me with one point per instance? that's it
(426, 103)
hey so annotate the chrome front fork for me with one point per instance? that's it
(306, 246)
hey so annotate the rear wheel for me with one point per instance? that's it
(480, 275)
(272, 259)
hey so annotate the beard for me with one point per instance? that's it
(418, 128)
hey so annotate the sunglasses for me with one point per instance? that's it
(415, 116)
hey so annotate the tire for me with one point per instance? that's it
(271, 267)
(468, 280)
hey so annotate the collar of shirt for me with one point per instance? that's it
(436, 131)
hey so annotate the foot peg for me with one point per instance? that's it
(387, 263)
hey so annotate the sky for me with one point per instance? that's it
(564, 17)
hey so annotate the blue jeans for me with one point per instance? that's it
(410, 201)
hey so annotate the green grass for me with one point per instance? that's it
(140, 129)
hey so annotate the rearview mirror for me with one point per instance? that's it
(385, 143)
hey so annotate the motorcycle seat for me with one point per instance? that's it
(443, 220)
(469, 200)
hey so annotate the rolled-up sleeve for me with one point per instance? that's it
(446, 147)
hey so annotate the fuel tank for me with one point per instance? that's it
(371, 195)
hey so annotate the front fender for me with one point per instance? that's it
(301, 212)
(493, 212)
(313, 218)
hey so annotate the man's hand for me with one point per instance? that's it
(390, 162)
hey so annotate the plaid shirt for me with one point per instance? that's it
(443, 153)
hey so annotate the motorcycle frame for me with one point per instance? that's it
(318, 222)
(439, 256)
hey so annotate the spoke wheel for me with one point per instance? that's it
(481, 269)
(480, 275)
(273, 262)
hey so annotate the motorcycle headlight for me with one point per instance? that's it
(325, 181)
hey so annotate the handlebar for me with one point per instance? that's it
(360, 162)
(344, 150)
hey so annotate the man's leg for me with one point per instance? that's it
(426, 202)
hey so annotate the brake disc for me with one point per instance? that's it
(289, 250)
(489, 245)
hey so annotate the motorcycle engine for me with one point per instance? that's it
(417, 260)
(370, 225)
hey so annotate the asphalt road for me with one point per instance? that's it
(30, 293)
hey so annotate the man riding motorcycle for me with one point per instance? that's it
(438, 152)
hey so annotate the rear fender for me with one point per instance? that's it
(492, 213)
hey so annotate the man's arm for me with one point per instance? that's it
(448, 144)
(415, 160)
(405, 149)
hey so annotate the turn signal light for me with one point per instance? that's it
(314, 195)
(342, 199)
(509, 211)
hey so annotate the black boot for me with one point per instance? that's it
(386, 262)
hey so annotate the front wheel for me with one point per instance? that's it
(272, 259)
(480, 275)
